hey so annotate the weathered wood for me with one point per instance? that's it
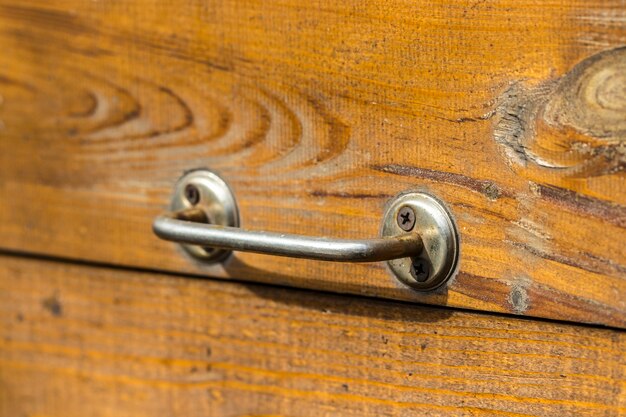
(82, 341)
(317, 114)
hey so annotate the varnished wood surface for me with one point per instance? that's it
(317, 114)
(82, 341)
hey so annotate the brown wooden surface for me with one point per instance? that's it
(83, 341)
(317, 113)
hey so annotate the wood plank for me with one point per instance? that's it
(317, 114)
(78, 340)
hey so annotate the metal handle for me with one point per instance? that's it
(419, 237)
(184, 227)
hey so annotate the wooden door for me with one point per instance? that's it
(317, 115)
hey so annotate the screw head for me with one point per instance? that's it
(192, 194)
(420, 270)
(406, 218)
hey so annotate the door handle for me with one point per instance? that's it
(419, 237)
(184, 227)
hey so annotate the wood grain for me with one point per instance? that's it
(317, 114)
(83, 341)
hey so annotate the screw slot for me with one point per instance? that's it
(192, 194)
(420, 269)
(406, 218)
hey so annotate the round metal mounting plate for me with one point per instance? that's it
(216, 200)
(437, 262)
